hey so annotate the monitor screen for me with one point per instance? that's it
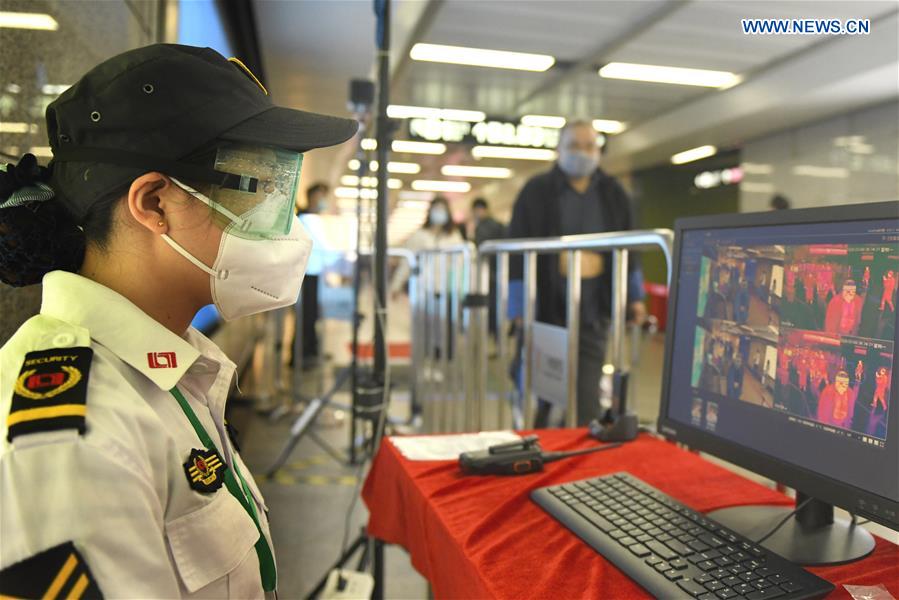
(784, 344)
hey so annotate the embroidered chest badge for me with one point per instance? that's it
(205, 470)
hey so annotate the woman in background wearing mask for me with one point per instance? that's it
(171, 187)
(438, 231)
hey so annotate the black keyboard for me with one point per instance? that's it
(670, 549)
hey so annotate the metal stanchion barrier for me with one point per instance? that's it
(620, 243)
(447, 334)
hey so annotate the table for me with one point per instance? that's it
(482, 537)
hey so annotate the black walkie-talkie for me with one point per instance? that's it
(516, 458)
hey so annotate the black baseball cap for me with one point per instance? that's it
(149, 108)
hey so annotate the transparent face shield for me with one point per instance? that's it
(256, 200)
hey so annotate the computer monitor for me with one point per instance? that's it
(781, 359)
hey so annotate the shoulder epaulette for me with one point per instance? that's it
(50, 392)
(59, 572)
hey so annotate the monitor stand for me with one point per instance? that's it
(811, 537)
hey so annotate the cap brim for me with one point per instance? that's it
(291, 129)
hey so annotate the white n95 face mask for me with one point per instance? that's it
(253, 274)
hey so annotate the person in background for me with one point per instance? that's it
(438, 231)
(576, 196)
(485, 228)
(779, 202)
(316, 203)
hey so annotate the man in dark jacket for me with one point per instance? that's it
(575, 197)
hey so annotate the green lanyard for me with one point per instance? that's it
(266, 560)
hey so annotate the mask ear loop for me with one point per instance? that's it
(181, 250)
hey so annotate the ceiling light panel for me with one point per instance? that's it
(426, 185)
(418, 147)
(673, 75)
(395, 111)
(693, 154)
(513, 153)
(26, 20)
(547, 121)
(470, 171)
(479, 57)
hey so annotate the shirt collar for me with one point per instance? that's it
(116, 323)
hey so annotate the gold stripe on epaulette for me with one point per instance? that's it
(46, 412)
(61, 577)
(78, 589)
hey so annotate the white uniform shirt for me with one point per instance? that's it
(119, 492)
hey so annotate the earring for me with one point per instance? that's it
(160, 224)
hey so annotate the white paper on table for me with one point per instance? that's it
(449, 447)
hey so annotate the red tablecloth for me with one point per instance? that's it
(482, 537)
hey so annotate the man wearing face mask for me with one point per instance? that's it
(575, 197)
(172, 186)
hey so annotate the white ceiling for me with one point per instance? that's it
(312, 48)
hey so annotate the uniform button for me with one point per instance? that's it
(63, 340)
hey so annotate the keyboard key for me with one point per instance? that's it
(639, 550)
(662, 550)
(627, 541)
(712, 540)
(617, 534)
(708, 596)
(679, 547)
(719, 573)
(644, 538)
(672, 574)
(723, 561)
(765, 571)
(704, 578)
(772, 592)
(679, 564)
(691, 587)
(761, 584)
(754, 550)
(731, 581)
(652, 560)
(726, 594)
(744, 588)
(698, 546)
(594, 518)
(714, 586)
(706, 565)
(790, 587)
(661, 567)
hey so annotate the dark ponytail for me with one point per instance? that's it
(37, 233)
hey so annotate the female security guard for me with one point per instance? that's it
(171, 187)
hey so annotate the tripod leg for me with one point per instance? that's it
(378, 570)
(305, 420)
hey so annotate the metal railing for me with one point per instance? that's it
(620, 243)
(442, 380)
